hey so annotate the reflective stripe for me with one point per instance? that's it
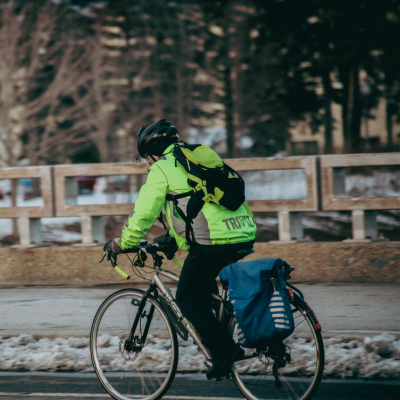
(178, 225)
(275, 309)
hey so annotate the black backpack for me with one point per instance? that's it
(212, 180)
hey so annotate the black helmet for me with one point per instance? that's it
(154, 139)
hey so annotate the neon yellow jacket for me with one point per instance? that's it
(215, 224)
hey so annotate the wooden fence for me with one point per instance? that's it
(325, 191)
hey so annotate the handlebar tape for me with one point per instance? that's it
(122, 273)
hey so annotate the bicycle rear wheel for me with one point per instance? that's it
(300, 378)
(145, 372)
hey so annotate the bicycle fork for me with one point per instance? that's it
(136, 342)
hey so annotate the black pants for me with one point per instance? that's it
(197, 282)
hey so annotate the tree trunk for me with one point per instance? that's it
(228, 98)
(236, 43)
(180, 103)
(100, 136)
(230, 127)
(389, 121)
(13, 194)
(328, 120)
(352, 111)
(352, 105)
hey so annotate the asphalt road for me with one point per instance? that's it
(356, 310)
(63, 386)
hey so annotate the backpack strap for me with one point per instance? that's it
(160, 218)
(173, 197)
(188, 221)
(196, 176)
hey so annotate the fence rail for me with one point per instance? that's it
(325, 191)
(308, 164)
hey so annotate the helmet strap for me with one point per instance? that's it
(151, 158)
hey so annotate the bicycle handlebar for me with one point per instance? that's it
(122, 272)
(149, 248)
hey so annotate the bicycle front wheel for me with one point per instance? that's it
(300, 374)
(142, 370)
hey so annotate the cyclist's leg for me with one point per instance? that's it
(197, 281)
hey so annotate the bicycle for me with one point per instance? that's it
(134, 345)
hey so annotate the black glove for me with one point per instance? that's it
(113, 248)
(167, 240)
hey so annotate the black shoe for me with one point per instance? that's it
(222, 367)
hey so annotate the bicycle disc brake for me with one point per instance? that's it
(126, 354)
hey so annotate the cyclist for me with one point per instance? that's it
(220, 239)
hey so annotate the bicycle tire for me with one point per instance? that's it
(128, 375)
(300, 378)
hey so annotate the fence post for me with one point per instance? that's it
(92, 229)
(364, 225)
(30, 230)
(290, 226)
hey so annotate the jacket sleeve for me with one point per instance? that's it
(148, 207)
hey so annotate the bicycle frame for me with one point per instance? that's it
(159, 298)
(157, 284)
(182, 325)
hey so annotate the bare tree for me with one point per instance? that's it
(10, 82)
(45, 78)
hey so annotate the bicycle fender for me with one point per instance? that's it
(179, 328)
(297, 300)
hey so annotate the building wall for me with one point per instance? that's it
(301, 131)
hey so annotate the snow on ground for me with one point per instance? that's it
(375, 357)
(380, 183)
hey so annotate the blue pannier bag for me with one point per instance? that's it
(257, 290)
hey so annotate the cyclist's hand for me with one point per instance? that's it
(113, 248)
(170, 242)
(164, 239)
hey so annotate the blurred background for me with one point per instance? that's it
(307, 84)
(250, 78)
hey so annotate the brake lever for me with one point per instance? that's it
(102, 258)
